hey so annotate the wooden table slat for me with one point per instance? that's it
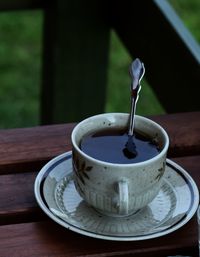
(18, 204)
(26, 231)
(184, 132)
(49, 239)
(29, 148)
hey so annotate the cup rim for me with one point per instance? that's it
(149, 161)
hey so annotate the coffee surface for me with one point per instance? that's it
(110, 146)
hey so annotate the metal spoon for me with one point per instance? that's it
(137, 71)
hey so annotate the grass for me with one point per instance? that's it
(20, 65)
(189, 11)
(20, 62)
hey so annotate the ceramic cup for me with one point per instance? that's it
(118, 189)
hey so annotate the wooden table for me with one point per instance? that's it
(26, 231)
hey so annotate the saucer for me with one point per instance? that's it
(173, 207)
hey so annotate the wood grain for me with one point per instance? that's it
(26, 231)
(49, 239)
(18, 204)
(17, 200)
(30, 148)
(184, 132)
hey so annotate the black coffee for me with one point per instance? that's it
(111, 146)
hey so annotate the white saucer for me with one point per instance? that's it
(173, 207)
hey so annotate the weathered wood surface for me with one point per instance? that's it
(24, 149)
(26, 231)
(20, 200)
(27, 147)
(49, 239)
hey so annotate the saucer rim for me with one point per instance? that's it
(39, 183)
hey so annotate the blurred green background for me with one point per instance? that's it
(20, 66)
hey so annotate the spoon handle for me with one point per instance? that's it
(137, 71)
(134, 100)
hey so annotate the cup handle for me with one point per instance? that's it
(123, 197)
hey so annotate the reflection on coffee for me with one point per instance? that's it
(110, 146)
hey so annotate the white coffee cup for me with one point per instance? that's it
(118, 189)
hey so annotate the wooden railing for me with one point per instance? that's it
(76, 48)
(8, 5)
